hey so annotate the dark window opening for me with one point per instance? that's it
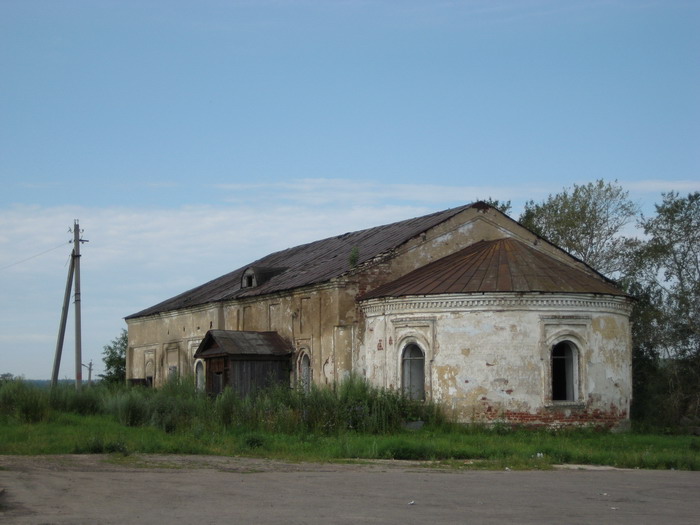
(563, 372)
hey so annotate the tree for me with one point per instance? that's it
(587, 221)
(674, 250)
(667, 267)
(114, 358)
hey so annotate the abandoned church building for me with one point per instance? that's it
(465, 307)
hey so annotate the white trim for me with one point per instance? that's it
(498, 301)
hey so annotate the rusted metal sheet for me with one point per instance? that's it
(311, 263)
(503, 265)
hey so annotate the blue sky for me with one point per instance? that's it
(191, 138)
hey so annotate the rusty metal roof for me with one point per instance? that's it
(234, 342)
(308, 264)
(503, 265)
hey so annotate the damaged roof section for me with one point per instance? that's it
(312, 263)
(503, 265)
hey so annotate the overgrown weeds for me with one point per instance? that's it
(23, 402)
(351, 421)
(353, 405)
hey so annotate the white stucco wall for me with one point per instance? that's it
(488, 357)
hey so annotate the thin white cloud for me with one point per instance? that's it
(659, 186)
(40, 185)
(320, 191)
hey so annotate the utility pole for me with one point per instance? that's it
(73, 272)
(62, 327)
(89, 367)
(78, 329)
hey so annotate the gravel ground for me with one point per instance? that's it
(207, 489)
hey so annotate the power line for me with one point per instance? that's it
(34, 256)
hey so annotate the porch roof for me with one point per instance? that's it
(243, 343)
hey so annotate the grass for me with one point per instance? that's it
(352, 422)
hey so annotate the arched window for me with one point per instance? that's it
(199, 376)
(564, 370)
(149, 373)
(304, 377)
(413, 372)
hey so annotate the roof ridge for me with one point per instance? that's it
(308, 263)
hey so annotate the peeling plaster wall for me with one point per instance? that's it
(487, 357)
(158, 343)
(311, 319)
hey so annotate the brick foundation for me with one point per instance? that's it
(563, 416)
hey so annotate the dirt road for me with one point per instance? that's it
(203, 489)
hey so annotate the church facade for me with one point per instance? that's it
(464, 307)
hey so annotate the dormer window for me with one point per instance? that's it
(248, 280)
(258, 275)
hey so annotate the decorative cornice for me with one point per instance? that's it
(189, 310)
(498, 302)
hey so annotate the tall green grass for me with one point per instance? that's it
(353, 405)
(351, 421)
(22, 402)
